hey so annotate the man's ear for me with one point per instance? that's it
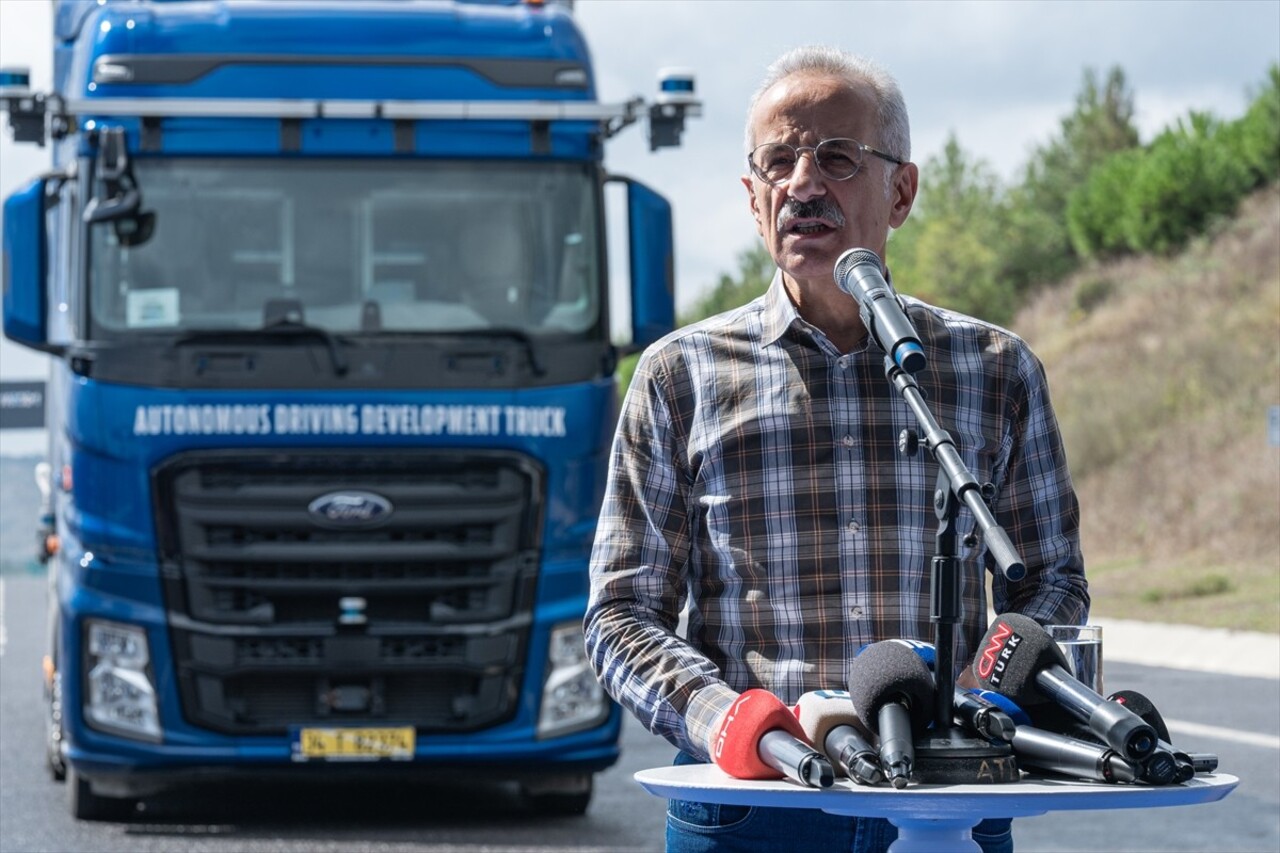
(902, 193)
(755, 206)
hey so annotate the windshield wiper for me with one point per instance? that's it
(283, 327)
(518, 335)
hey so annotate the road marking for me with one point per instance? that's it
(481, 847)
(1219, 733)
(4, 632)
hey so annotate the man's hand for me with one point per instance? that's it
(735, 741)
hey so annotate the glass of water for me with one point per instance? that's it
(1082, 646)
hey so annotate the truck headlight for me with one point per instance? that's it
(121, 695)
(572, 699)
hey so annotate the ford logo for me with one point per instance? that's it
(350, 509)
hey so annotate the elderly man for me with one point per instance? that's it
(756, 479)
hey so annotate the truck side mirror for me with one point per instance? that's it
(26, 299)
(653, 308)
(119, 201)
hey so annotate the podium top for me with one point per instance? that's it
(707, 783)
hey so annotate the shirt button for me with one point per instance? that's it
(854, 526)
(847, 440)
(844, 363)
(855, 612)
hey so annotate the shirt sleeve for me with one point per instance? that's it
(1039, 510)
(639, 575)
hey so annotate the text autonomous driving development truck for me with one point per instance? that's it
(332, 388)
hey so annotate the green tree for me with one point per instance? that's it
(1037, 248)
(1255, 138)
(946, 251)
(1187, 178)
(1098, 208)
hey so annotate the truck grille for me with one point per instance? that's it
(281, 617)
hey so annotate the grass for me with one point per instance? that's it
(1241, 597)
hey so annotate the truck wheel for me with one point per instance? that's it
(560, 800)
(86, 805)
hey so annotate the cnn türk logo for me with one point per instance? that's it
(995, 657)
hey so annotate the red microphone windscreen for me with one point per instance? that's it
(752, 715)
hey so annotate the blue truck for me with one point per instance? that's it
(334, 375)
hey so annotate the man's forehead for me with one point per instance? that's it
(813, 104)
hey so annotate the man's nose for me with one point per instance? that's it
(806, 180)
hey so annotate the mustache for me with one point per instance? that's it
(816, 208)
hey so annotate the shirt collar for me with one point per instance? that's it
(780, 314)
(779, 311)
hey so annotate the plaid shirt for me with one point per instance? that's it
(755, 475)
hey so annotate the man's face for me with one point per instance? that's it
(809, 220)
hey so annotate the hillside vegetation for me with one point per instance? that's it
(1163, 370)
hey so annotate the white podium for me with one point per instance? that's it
(930, 818)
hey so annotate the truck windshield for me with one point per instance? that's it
(354, 247)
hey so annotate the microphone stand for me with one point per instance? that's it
(953, 751)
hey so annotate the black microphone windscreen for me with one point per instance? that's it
(1144, 708)
(885, 672)
(1014, 649)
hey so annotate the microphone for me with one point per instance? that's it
(1144, 708)
(892, 692)
(1203, 762)
(1188, 763)
(829, 722)
(983, 717)
(923, 649)
(1163, 766)
(759, 738)
(1068, 756)
(1004, 703)
(1019, 659)
(858, 273)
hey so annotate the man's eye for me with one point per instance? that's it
(842, 147)
(779, 160)
(837, 160)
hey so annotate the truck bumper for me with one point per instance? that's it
(140, 770)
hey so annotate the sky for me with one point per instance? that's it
(998, 74)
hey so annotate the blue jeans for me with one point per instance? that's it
(694, 827)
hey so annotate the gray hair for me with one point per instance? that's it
(894, 126)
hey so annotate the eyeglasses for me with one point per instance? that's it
(836, 159)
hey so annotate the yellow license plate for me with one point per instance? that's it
(362, 744)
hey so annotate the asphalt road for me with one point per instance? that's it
(1232, 716)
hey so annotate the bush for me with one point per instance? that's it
(1097, 209)
(1091, 293)
(1186, 179)
(959, 267)
(1254, 139)
(1035, 247)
